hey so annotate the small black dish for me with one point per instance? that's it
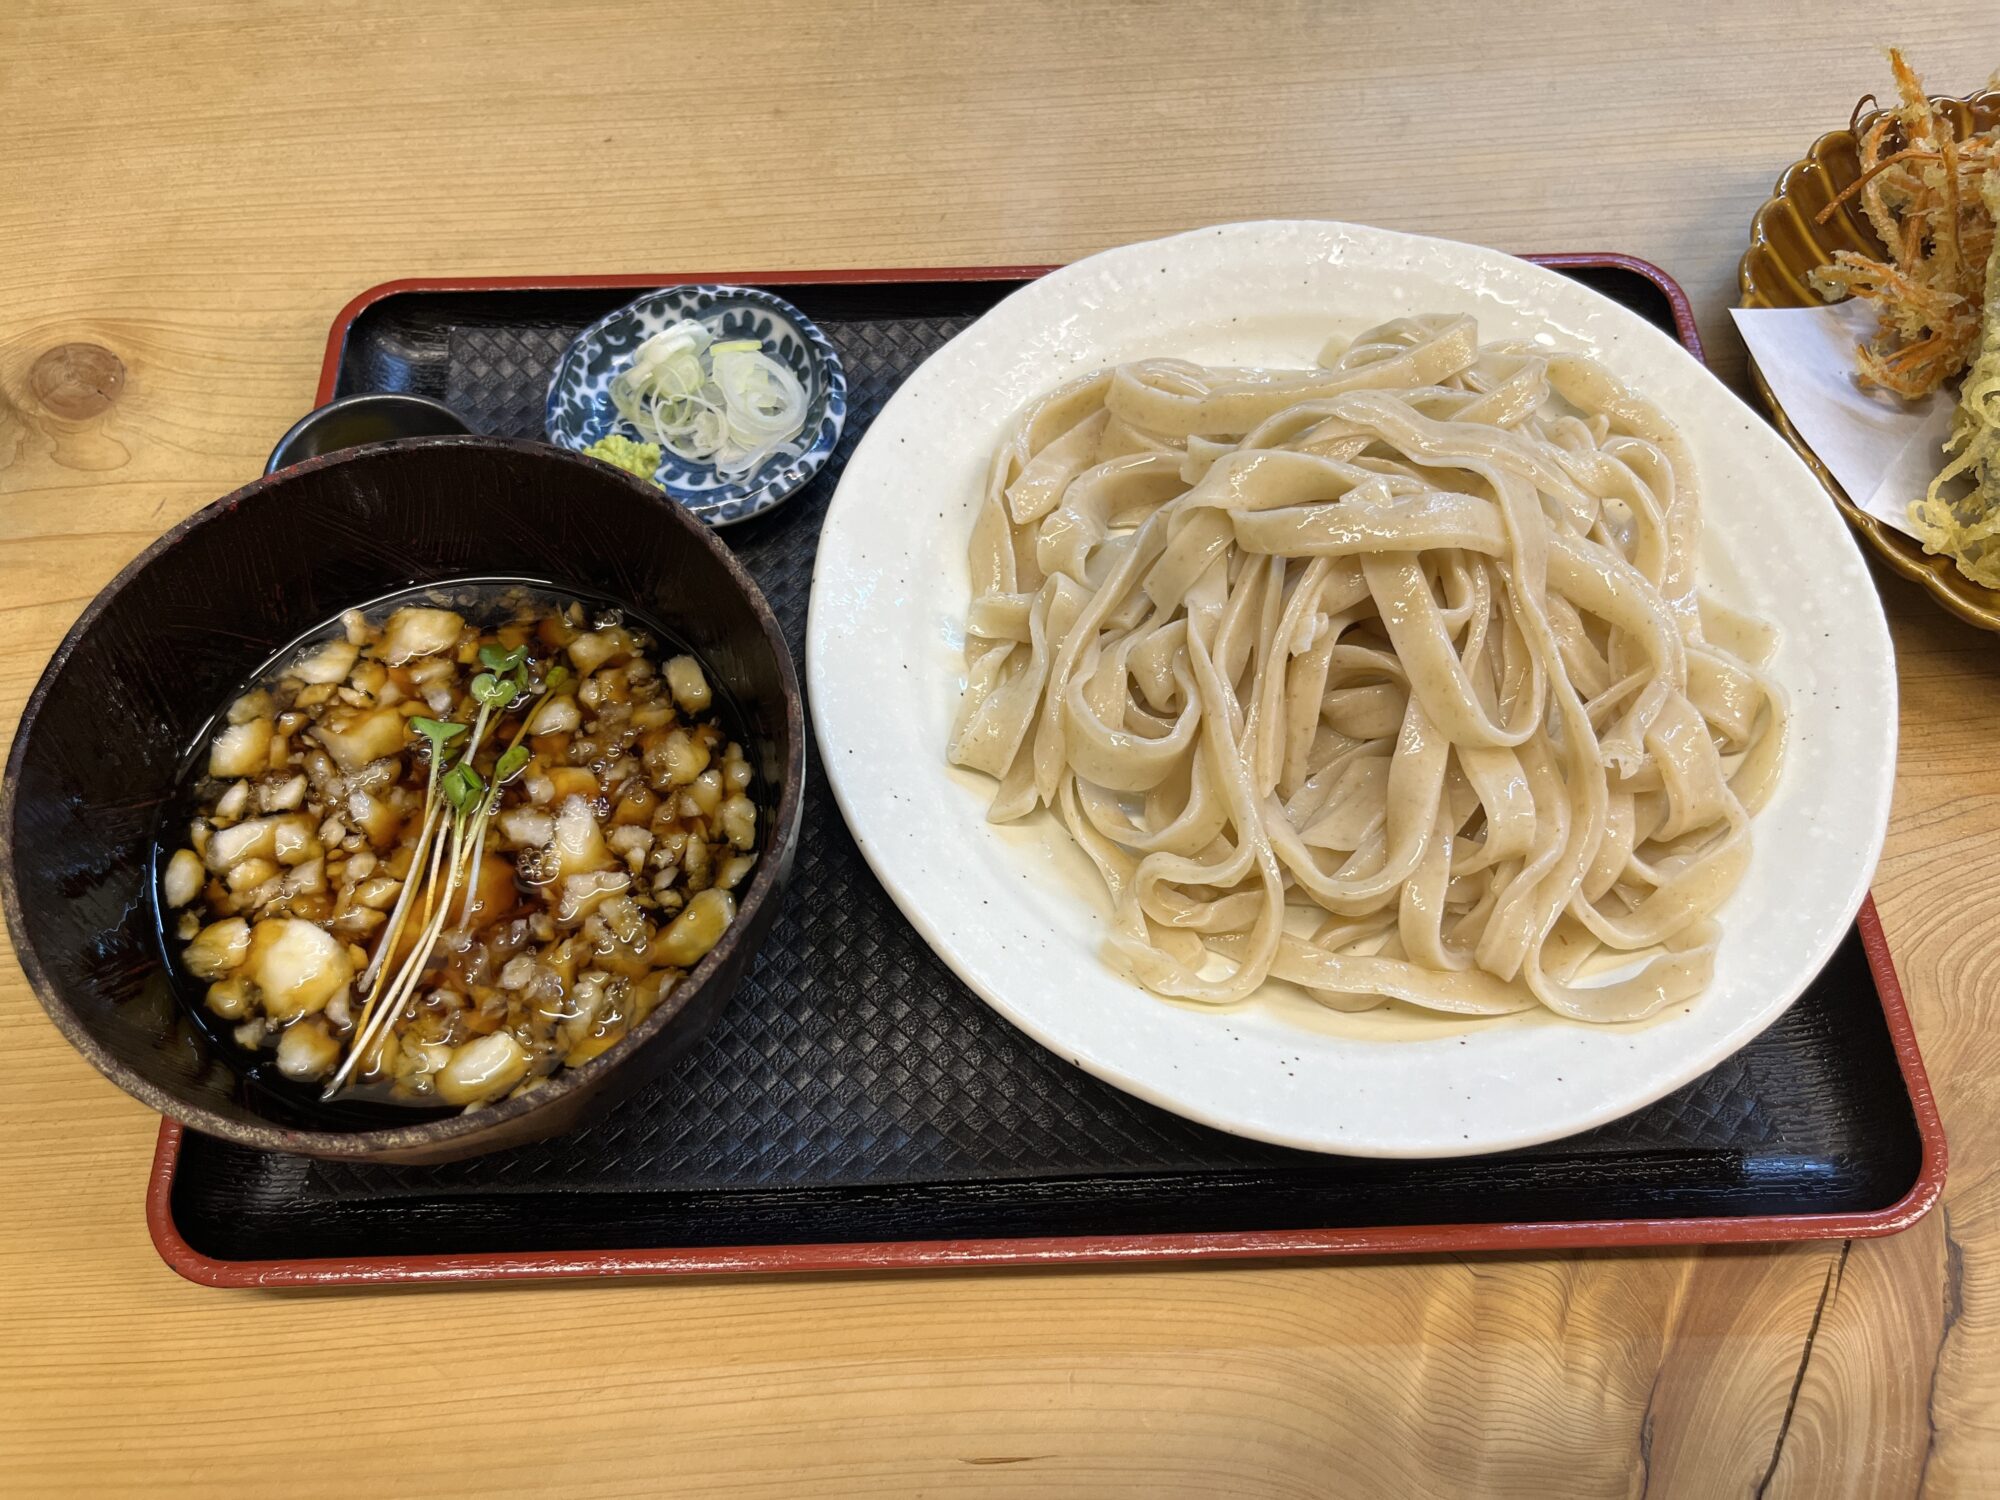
(376, 417)
(103, 738)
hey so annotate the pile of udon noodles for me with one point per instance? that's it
(1387, 678)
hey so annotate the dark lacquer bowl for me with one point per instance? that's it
(95, 760)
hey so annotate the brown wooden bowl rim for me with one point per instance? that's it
(1938, 575)
(362, 1144)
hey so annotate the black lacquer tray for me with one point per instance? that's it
(858, 1107)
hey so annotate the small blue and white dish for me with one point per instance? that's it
(580, 411)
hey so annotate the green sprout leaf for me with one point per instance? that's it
(500, 660)
(438, 732)
(463, 788)
(492, 691)
(557, 676)
(510, 764)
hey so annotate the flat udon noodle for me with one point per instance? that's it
(1386, 678)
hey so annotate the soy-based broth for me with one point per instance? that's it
(455, 842)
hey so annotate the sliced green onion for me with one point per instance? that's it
(727, 403)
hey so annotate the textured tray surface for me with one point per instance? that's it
(857, 1091)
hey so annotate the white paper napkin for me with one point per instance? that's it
(1883, 450)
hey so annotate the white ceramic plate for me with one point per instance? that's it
(1018, 913)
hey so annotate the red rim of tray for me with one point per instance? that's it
(1400, 1239)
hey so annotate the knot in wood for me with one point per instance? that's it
(74, 381)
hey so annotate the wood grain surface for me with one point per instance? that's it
(190, 190)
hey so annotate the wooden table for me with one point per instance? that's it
(197, 187)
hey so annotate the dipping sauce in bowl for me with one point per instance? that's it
(451, 843)
(112, 767)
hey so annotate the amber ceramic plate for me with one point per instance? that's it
(1786, 245)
